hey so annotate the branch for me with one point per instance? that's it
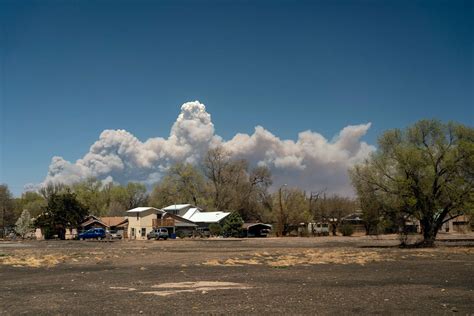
(452, 217)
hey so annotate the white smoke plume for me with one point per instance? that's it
(311, 162)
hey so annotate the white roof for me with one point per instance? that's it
(204, 217)
(189, 213)
(176, 207)
(143, 209)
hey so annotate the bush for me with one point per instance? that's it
(215, 229)
(233, 225)
(346, 230)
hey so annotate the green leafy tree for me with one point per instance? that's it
(24, 224)
(31, 201)
(232, 225)
(89, 192)
(63, 211)
(425, 171)
(7, 209)
(290, 208)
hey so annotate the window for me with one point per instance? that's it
(143, 232)
(133, 232)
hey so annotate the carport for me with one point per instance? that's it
(256, 229)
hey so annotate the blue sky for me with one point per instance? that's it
(70, 69)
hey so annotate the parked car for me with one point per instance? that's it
(320, 229)
(158, 233)
(93, 233)
(113, 234)
(264, 232)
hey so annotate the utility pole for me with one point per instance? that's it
(281, 228)
(3, 222)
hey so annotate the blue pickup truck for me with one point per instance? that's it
(93, 233)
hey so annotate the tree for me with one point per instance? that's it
(291, 210)
(52, 188)
(425, 171)
(24, 224)
(333, 208)
(136, 195)
(31, 201)
(89, 192)
(62, 211)
(226, 177)
(183, 183)
(124, 198)
(233, 186)
(232, 225)
(7, 212)
(251, 193)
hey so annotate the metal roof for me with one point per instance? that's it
(176, 207)
(248, 225)
(190, 212)
(143, 209)
(197, 216)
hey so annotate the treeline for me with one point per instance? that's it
(218, 183)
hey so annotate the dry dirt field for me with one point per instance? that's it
(326, 275)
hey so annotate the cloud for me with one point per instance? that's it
(311, 162)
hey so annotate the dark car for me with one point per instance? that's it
(158, 233)
(93, 233)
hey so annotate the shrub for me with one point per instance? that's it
(346, 230)
(215, 229)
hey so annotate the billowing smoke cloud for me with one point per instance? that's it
(311, 162)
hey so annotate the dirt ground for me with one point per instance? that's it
(323, 275)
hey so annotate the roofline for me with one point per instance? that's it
(181, 219)
(147, 208)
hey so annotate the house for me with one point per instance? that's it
(71, 233)
(113, 223)
(175, 224)
(460, 224)
(142, 220)
(92, 221)
(356, 221)
(204, 219)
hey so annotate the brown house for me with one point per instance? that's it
(112, 223)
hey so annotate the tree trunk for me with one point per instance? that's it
(62, 233)
(430, 230)
(334, 229)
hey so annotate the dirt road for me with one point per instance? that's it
(358, 275)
